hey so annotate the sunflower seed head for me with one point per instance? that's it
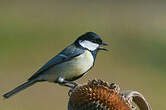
(98, 95)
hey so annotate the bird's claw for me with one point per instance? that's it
(71, 89)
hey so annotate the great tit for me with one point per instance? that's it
(70, 64)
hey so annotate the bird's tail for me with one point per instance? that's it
(19, 88)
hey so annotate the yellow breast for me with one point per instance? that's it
(79, 65)
(72, 68)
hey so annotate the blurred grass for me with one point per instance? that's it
(31, 32)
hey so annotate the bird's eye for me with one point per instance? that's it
(99, 41)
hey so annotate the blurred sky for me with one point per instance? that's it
(33, 31)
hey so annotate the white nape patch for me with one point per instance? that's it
(88, 44)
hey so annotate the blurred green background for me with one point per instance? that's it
(33, 31)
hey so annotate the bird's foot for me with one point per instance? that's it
(72, 88)
(70, 84)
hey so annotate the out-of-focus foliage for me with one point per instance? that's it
(31, 32)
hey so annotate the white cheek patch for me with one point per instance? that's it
(89, 45)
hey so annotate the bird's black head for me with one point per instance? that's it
(90, 41)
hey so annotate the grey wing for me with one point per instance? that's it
(67, 54)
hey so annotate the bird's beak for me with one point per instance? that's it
(101, 47)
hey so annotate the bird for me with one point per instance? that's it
(68, 65)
